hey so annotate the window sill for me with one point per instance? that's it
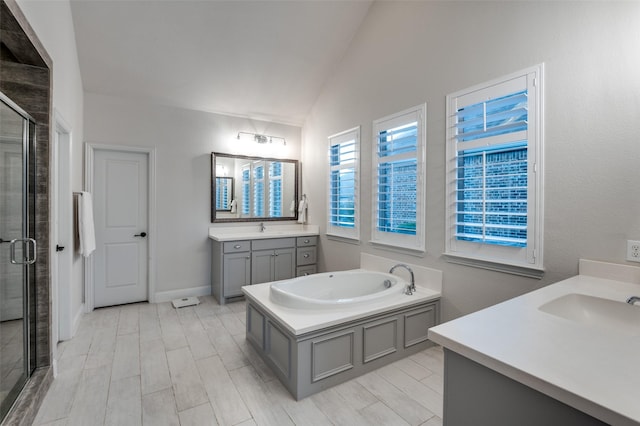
(523, 271)
(398, 249)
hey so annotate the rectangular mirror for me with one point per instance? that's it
(264, 189)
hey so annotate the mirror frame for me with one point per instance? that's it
(296, 195)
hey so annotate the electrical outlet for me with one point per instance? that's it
(633, 251)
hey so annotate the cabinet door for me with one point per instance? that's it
(262, 266)
(237, 272)
(284, 264)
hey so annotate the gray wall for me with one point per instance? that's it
(184, 140)
(407, 53)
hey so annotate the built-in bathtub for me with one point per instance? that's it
(321, 330)
(335, 290)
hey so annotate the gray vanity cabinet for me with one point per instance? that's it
(306, 255)
(236, 273)
(272, 260)
(244, 262)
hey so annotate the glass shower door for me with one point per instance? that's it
(14, 250)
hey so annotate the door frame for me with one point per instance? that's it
(62, 315)
(89, 159)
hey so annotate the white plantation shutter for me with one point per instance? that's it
(494, 204)
(398, 179)
(343, 205)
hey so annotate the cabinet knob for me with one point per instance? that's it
(237, 246)
(306, 241)
(306, 255)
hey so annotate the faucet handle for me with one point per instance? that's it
(408, 291)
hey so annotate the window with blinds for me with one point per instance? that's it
(399, 179)
(246, 191)
(223, 194)
(275, 189)
(494, 171)
(258, 189)
(343, 194)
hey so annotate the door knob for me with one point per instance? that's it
(142, 234)
(59, 248)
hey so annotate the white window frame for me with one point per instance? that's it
(346, 136)
(527, 260)
(382, 238)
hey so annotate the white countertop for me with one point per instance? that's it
(252, 231)
(301, 321)
(591, 369)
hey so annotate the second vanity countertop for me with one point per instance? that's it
(252, 232)
(593, 369)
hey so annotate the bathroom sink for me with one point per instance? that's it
(605, 314)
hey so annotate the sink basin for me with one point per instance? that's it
(605, 314)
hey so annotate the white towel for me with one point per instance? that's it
(302, 210)
(86, 227)
(233, 205)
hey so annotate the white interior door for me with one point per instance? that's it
(121, 198)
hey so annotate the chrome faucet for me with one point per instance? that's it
(633, 299)
(412, 286)
(262, 227)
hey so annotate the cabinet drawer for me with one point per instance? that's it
(306, 241)
(306, 256)
(273, 243)
(303, 271)
(237, 246)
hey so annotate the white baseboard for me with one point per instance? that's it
(166, 296)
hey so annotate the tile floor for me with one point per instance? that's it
(154, 365)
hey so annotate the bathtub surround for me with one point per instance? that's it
(568, 350)
(311, 349)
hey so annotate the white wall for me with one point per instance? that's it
(184, 140)
(51, 20)
(407, 53)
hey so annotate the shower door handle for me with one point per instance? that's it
(27, 260)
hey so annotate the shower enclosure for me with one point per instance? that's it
(17, 251)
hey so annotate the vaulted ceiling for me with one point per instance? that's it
(264, 59)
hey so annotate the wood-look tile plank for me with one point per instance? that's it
(129, 319)
(89, 405)
(413, 369)
(430, 359)
(159, 409)
(303, 412)
(154, 370)
(124, 405)
(411, 411)
(59, 399)
(187, 385)
(201, 415)
(415, 390)
(199, 343)
(103, 348)
(380, 414)
(172, 332)
(433, 421)
(227, 404)
(255, 396)
(356, 395)
(149, 322)
(126, 360)
(337, 409)
(435, 382)
(232, 324)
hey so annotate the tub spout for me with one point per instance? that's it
(412, 285)
(633, 299)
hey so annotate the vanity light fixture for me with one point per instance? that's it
(257, 137)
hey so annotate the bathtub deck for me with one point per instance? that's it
(307, 363)
(299, 322)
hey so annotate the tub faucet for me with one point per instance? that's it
(262, 227)
(413, 280)
(633, 299)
